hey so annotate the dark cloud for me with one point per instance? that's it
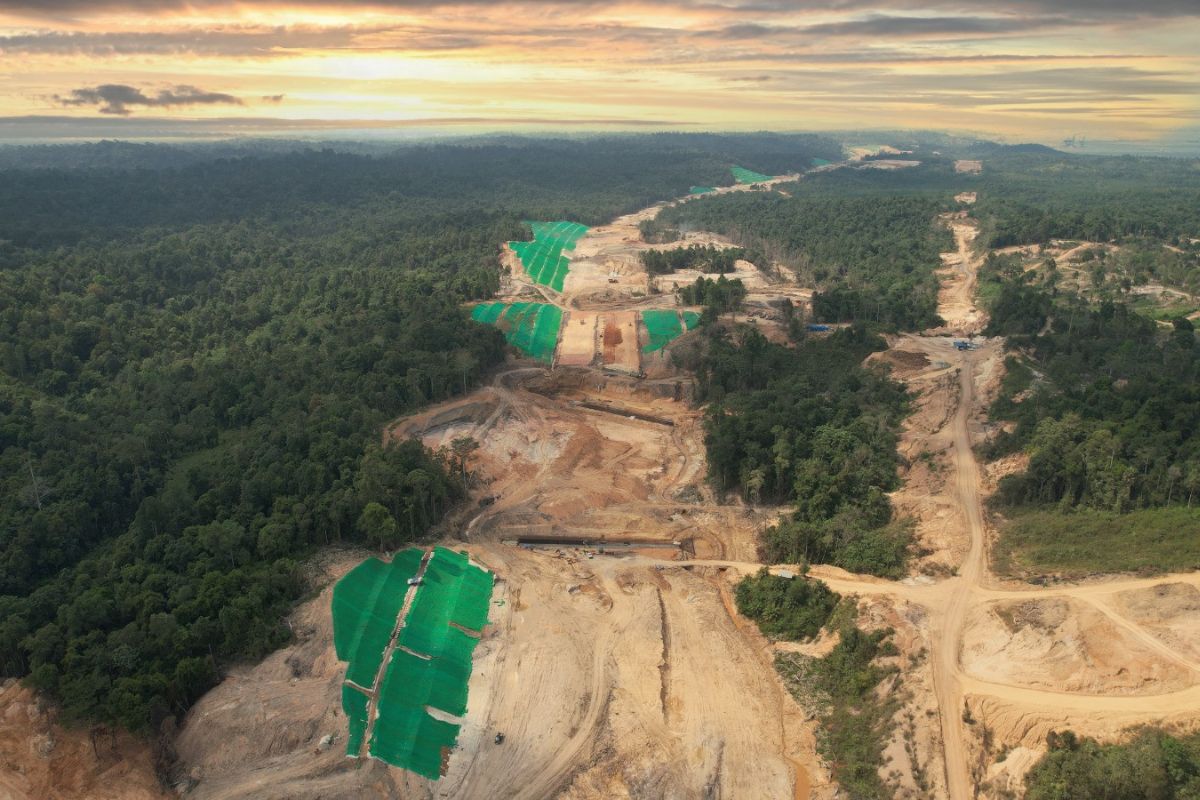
(119, 99)
(902, 26)
(255, 42)
(217, 42)
(275, 99)
(893, 27)
(894, 56)
(1082, 10)
(1093, 87)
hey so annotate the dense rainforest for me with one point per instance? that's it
(198, 351)
(1105, 404)
(1155, 764)
(811, 427)
(1034, 196)
(705, 258)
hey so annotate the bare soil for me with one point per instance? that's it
(577, 347)
(44, 760)
(620, 349)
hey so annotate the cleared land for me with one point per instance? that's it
(1087, 542)
(619, 342)
(578, 347)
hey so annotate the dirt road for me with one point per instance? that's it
(947, 642)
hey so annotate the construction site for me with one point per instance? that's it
(575, 635)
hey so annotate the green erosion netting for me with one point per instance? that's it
(662, 326)
(820, 162)
(354, 703)
(742, 175)
(366, 602)
(701, 190)
(452, 590)
(691, 319)
(532, 328)
(487, 312)
(437, 672)
(405, 735)
(543, 258)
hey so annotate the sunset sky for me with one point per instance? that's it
(1032, 69)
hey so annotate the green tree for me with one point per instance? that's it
(377, 525)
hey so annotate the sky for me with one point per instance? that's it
(1029, 70)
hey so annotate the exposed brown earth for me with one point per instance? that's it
(44, 759)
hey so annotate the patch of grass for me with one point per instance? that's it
(1163, 309)
(1084, 542)
(855, 723)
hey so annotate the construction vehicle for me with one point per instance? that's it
(499, 738)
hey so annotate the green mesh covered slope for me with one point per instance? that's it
(661, 326)
(532, 328)
(354, 704)
(430, 664)
(701, 190)
(366, 602)
(691, 319)
(405, 735)
(543, 258)
(742, 175)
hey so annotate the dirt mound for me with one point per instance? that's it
(1063, 644)
(1171, 611)
(902, 362)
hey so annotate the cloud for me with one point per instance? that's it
(234, 41)
(274, 99)
(1110, 9)
(116, 98)
(901, 26)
